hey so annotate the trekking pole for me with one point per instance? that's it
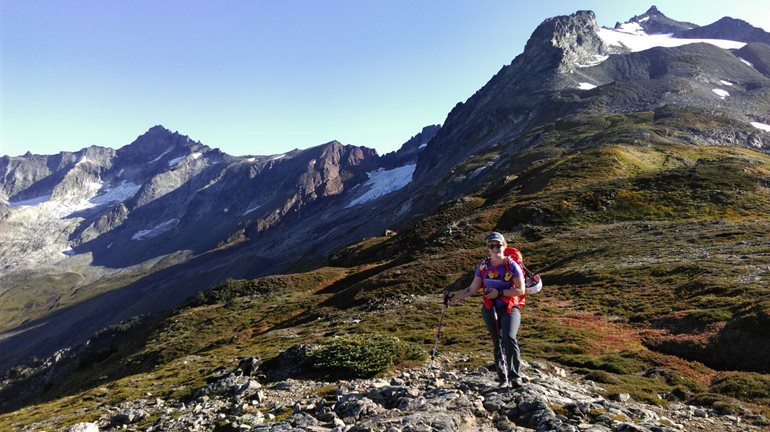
(447, 296)
(503, 356)
(527, 272)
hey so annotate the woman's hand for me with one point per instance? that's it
(454, 298)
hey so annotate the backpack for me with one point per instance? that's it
(512, 301)
(532, 282)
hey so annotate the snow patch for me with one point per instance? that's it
(119, 193)
(722, 93)
(176, 161)
(763, 126)
(83, 160)
(276, 157)
(122, 192)
(251, 210)
(746, 61)
(478, 171)
(383, 182)
(161, 155)
(727, 83)
(30, 202)
(422, 146)
(156, 230)
(586, 86)
(645, 19)
(634, 39)
(226, 209)
(251, 159)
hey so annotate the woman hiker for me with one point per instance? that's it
(503, 295)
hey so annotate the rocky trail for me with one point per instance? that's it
(417, 399)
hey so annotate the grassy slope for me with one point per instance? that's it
(37, 295)
(654, 253)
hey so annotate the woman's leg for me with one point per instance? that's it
(488, 315)
(510, 328)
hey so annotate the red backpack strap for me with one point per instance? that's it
(514, 300)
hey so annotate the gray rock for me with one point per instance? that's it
(469, 401)
(354, 406)
(249, 389)
(128, 417)
(83, 427)
(249, 366)
(596, 428)
(630, 427)
(621, 397)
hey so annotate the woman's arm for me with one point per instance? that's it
(458, 296)
(518, 286)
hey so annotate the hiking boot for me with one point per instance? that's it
(517, 382)
(504, 384)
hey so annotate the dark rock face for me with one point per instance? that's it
(518, 96)
(758, 55)
(728, 28)
(157, 145)
(564, 41)
(31, 176)
(682, 76)
(166, 178)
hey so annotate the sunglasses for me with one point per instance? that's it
(494, 245)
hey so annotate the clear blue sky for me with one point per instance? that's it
(265, 77)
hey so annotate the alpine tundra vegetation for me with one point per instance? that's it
(630, 165)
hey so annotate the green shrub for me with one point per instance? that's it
(708, 316)
(742, 385)
(364, 355)
(602, 377)
(712, 400)
(706, 399)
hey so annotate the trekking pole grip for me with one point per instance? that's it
(447, 296)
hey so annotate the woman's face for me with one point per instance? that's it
(496, 249)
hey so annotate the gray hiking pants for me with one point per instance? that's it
(509, 327)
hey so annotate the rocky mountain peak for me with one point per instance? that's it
(410, 150)
(336, 162)
(653, 10)
(154, 143)
(655, 22)
(565, 40)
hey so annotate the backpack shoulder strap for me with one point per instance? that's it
(484, 266)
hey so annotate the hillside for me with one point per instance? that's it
(655, 268)
(635, 180)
